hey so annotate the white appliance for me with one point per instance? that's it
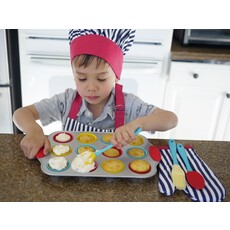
(10, 89)
(46, 70)
(5, 96)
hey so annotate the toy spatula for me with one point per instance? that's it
(194, 178)
(177, 173)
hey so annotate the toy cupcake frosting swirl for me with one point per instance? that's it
(78, 164)
(63, 137)
(60, 149)
(57, 163)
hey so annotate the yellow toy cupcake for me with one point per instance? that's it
(136, 152)
(140, 166)
(106, 138)
(85, 148)
(138, 141)
(113, 152)
(86, 138)
(113, 166)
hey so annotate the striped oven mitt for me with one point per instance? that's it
(213, 191)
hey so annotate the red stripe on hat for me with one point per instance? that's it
(99, 46)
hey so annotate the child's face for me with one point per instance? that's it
(94, 82)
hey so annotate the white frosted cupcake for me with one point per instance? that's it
(63, 137)
(60, 150)
(78, 164)
(57, 163)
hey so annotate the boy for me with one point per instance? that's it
(98, 103)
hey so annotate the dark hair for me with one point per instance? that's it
(86, 59)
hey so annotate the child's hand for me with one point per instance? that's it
(31, 144)
(124, 135)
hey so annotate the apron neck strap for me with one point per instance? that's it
(75, 108)
(120, 106)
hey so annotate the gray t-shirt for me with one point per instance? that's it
(57, 108)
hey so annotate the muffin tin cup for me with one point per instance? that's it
(86, 146)
(74, 144)
(67, 133)
(63, 154)
(138, 148)
(119, 152)
(139, 172)
(56, 170)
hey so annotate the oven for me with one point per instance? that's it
(46, 69)
(203, 36)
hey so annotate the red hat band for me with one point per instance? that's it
(99, 46)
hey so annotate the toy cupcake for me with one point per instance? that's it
(61, 150)
(140, 166)
(136, 152)
(113, 166)
(113, 152)
(84, 148)
(138, 141)
(86, 138)
(106, 138)
(79, 165)
(57, 163)
(63, 137)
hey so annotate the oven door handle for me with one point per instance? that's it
(44, 59)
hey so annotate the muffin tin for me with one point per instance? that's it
(151, 155)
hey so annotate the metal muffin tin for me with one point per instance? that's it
(74, 144)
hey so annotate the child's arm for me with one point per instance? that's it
(159, 120)
(25, 119)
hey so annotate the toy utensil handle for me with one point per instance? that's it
(138, 130)
(172, 147)
(183, 154)
(104, 149)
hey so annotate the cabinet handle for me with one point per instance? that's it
(195, 75)
(228, 95)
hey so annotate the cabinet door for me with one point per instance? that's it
(223, 126)
(195, 93)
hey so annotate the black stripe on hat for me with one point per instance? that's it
(123, 38)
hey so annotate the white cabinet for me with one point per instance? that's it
(223, 125)
(200, 96)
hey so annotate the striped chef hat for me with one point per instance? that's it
(108, 44)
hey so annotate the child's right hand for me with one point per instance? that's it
(31, 144)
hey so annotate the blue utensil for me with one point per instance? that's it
(177, 173)
(194, 178)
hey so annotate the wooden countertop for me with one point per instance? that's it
(22, 179)
(199, 53)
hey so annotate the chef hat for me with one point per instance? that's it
(108, 44)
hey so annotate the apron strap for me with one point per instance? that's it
(75, 108)
(119, 109)
(120, 106)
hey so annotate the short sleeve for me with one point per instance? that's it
(55, 108)
(136, 107)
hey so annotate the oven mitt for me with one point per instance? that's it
(213, 191)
